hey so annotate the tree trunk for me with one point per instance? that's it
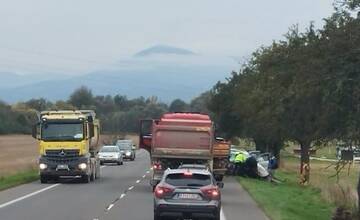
(305, 163)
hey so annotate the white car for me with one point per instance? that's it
(110, 154)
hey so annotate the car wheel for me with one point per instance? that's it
(217, 216)
(101, 163)
(156, 216)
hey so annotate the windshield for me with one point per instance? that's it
(62, 132)
(109, 149)
(179, 179)
(124, 146)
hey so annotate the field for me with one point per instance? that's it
(20, 152)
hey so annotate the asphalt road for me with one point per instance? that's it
(122, 193)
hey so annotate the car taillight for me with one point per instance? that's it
(211, 192)
(157, 166)
(162, 191)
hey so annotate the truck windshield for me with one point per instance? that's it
(62, 132)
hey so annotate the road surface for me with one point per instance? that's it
(122, 193)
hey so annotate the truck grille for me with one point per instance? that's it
(62, 153)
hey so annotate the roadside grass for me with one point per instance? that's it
(288, 201)
(342, 192)
(22, 177)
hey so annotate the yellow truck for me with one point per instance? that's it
(68, 142)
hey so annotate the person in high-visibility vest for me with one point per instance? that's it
(239, 163)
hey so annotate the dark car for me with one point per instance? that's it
(127, 148)
(187, 194)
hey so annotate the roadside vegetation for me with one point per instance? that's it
(19, 178)
(117, 113)
(290, 200)
(304, 89)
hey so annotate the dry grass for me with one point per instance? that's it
(342, 193)
(20, 152)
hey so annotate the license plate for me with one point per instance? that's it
(62, 167)
(188, 196)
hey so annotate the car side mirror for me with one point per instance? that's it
(220, 185)
(35, 131)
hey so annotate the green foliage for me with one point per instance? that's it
(17, 179)
(178, 105)
(305, 88)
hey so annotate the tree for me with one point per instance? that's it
(178, 105)
(82, 98)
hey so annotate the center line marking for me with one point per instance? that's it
(28, 195)
(122, 195)
(137, 181)
(144, 176)
(131, 187)
(148, 171)
(110, 206)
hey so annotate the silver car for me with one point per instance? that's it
(187, 194)
(110, 154)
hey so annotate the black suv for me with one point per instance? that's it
(187, 194)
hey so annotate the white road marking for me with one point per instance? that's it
(137, 181)
(28, 195)
(148, 171)
(102, 167)
(110, 206)
(122, 195)
(144, 176)
(131, 187)
(222, 215)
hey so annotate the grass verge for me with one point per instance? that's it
(288, 201)
(18, 179)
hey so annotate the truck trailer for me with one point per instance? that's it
(68, 142)
(183, 138)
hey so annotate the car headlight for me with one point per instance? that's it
(128, 153)
(82, 166)
(42, 166)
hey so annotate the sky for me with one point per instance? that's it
(77, 36)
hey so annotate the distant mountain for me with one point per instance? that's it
(167, 77)
(163, 50)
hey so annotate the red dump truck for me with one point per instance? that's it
(183, 138)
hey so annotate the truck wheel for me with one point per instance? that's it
(44, 179)
(85, 178)
(97, 174)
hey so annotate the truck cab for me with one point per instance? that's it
(68, 144)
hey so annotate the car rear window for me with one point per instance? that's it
(180, 179)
